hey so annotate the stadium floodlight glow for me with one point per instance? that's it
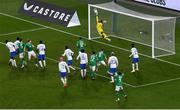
(157, 33)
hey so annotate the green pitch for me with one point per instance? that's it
(156, 85)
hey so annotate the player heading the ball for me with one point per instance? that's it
(99, 26)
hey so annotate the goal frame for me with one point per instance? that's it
(127, 14)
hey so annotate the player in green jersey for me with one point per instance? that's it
(31, 53)
(21, 51)
(93, 63)
(118, 85)
(80, 44)
(101, 59)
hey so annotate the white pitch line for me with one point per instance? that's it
(159, 82)
(95, 74)
(175, 64)
(24, 31)
(58, 30)
(76, 67)
(79, 68)
(139, 86)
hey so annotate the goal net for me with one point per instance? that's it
(155, 34)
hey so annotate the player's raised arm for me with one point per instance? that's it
(64, 53)
(109, 61)
(77, 57)
(117, 61)
(86, 59)
(96, 12)
(131, 54)
(97, 19)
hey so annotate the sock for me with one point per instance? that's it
(40, 63)
(84, 72)
(35, 61)
(62, 80)
(137, 68)
(133, 67)
(97, 67)
(82, 75)
(118, 94)
(14, 63)
(91, 74)
(112, 78)
(123, 94)
(11, 61)
(44, 61)
(22, 61)
(65, 80)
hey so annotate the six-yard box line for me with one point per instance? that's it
(58, 30)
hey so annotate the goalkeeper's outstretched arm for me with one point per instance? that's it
(96, 12)
(97, 19)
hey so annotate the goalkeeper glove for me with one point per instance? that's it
(95, 11)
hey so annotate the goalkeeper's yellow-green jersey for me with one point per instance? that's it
(99, 25)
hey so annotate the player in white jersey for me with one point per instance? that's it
(113, 64)
(83, 62)
(69, 54)
(135, 58)
(63, 69)
(12, 50)
(17, 43)
(41, 48)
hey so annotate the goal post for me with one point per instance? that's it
(157, 33)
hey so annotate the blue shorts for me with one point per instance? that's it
(17, 51)
(12, 54)
(62, 74)
(112, 71)
(69, 62)
(83, 66)
(135, 60)
(41, 57)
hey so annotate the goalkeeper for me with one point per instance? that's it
(99, 26)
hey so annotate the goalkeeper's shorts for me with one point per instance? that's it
(102, 34)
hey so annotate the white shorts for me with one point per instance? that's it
(21, 55)
(101, 63)
(30, 54)
(118, 88)
(93, 68)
